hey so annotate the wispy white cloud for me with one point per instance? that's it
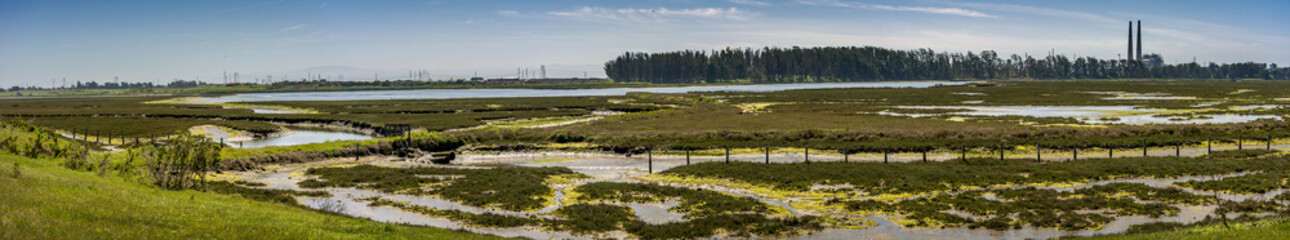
(652, 14)
(751, 2)
(293, 28)
(508, 13)
(931, 10)
(1038, 11)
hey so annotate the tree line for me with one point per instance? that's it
(840, 64)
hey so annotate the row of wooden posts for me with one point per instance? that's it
(85, 135)
(98, 136)
(1209, 148)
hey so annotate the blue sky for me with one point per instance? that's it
(160, 41)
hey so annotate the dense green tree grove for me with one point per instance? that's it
(833, 64)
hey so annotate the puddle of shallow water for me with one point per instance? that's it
(297, 137)
(386, 214)
(1253, 107)
(1139, 96)
(1209, 119)
(657, 212)
(270, 111)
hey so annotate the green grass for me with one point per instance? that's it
(694, 203)
(509, 188)
(1272, 228)
(1247, 184)
(880, 178)
(143, 127)
(50, 202)
(1039, 208)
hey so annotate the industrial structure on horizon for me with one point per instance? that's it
(1150, 60)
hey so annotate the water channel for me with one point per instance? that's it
(288, 138)
(626, 169)
(509, 93)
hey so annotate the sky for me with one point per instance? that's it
(44, 42)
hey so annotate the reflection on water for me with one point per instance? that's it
(270, 111)
(292, 137)
(504, 93)
(297, 137)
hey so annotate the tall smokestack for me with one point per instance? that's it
(1130, 54)
(1139, 40)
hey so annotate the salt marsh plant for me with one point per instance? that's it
(182, 162)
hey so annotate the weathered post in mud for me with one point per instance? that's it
(1144, 147)
(650, 154)
(1038, 151)
(1075, 153)
(767, 155)
(846, 157)
(1240, 144)
(924, 155)
(884, 156)
(727, 155)
(808, 155)
(963, 150)
(1209, 145)
(1177, 148)
(1000, 152)
(1269, 141)
(687, 156)
(1110, 152)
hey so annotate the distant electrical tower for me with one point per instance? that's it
(543, 69)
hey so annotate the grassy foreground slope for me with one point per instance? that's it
(47, 201)
(1273, 228)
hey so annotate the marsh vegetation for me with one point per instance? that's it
(621, 166)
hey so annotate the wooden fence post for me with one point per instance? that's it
(884, 156)
(846, 157)
(1000, 152)
(767, 155)
(1039, 157)
(963, 150)
(1209, 145)
(1075, 153)
(1269, 141)
(687, 156)
(924, 155)
(650, 154)
(1110, 152)
(727, 155)
(1144, 147)
(808, 155)
(1240, 144)
(1177, 148)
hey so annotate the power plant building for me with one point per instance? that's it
(1149, 60)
